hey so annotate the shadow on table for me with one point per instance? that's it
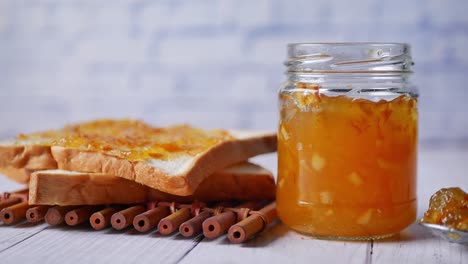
(273, 232)
(414, 232)
(23, 224)
(86, 228)
(78, 228)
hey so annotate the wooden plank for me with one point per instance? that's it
(278, 245)
(437, 169)
(416, 245)
(10, 236)
(25, 243)
(65, 245)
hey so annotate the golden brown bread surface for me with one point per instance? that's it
(243, 181)
(179, 176)
(178, 164)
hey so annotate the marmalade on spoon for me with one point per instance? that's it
(448, 207)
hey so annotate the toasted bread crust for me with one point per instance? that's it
(179, 178)
(86, 161)
(184, 184)
(32, 157)
(71, 188)
(85, 189)
(243, 187)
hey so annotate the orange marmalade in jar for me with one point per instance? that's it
(347, 140)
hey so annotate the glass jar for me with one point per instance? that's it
(347, 140)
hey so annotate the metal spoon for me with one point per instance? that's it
(450, 234)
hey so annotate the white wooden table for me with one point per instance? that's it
(438, 168)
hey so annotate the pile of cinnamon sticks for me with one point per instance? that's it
(240, 221)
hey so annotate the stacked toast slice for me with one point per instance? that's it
(128, 161)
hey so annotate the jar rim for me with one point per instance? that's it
(349, 57)
(404, 44)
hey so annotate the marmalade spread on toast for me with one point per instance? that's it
(347, 166)
(130, 139)
(448, 207)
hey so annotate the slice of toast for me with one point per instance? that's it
(173, 159)
(245, 181)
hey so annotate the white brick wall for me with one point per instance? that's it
(209, 63)
(199, 50)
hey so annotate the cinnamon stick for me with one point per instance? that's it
(255, 223)
(36, 213)
(80, 215)
(218, 225)
(172, 222)
(150, 219)
(193, 226)
(14, 213)
(56, 215)
(9, 202)
(22, 194)
(102, 219)
(124, 218)
(151, 204)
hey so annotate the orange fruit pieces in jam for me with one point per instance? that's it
(449, 207)
(130, 139)
(346, 167)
